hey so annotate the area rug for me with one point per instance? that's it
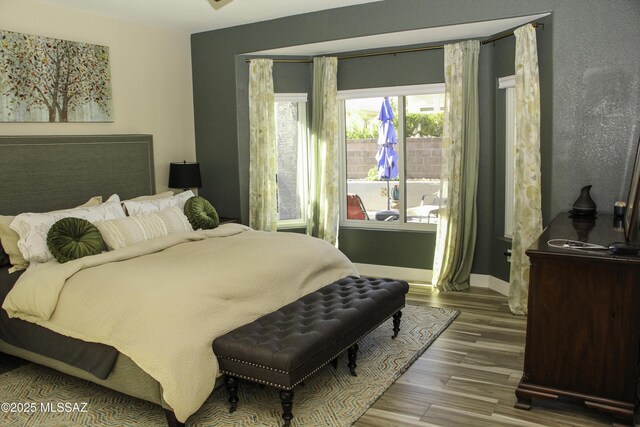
(329, 398)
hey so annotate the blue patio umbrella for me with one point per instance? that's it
(386, 156)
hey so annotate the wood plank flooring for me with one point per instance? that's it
(468, 375)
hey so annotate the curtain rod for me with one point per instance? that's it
(396, 51)
(508, 34)
(362, 55)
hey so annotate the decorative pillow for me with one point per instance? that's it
(94, 201)
(120, 233)
(33, 227)
(135, 208)
(9, 238)
(73, 238)
(201, 214)
(112, 198)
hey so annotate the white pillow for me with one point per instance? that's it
(9, 238)
(123, 232)
(33, 227)
(152, 196)
(135, 208)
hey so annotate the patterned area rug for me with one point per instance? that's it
(329, 398)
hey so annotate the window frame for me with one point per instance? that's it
(303, 155)
(508, 84)
(392, 91)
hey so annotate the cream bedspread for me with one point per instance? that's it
(163, 302)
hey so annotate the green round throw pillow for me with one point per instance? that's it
(200, 213)
(73, 238)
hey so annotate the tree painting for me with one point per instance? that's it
(51, 80)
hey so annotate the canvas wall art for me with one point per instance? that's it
(44, 79)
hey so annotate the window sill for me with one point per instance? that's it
(286, 225)
(382, 226)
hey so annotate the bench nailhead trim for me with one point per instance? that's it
(286, 372)
(253, 364)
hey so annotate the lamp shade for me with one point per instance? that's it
(184, 175)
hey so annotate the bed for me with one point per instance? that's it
(46, 173)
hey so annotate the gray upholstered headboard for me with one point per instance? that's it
(43, 173)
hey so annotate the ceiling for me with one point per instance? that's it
(194, 16)
(479, 30)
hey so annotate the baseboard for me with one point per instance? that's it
(422, 276)
(479, 280)
(402, 273)
(499, 285)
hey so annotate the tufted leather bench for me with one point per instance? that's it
(283, 348)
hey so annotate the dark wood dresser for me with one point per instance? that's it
(583, 324)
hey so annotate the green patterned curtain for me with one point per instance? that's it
(324, 167)
(527, 221)
(263, 204)
(456, 235)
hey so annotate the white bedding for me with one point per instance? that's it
(164, 301)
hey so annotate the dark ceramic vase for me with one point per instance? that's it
(583, 226)
(584, 205)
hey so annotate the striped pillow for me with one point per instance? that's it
(120, 233)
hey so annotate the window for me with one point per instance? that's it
(508, 84)
(291, 145)
(409, 199)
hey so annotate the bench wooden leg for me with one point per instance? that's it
(396, 323)
(232, 389)
(286, 398)
(334, 363)
(352, 352)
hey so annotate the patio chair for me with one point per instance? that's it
(427, 210)
(355, 208)
(434, 204)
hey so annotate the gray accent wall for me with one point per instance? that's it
(503, 56)
(590, 83)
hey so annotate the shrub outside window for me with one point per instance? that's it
(411, 199)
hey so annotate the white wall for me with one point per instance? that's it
(150, 71)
